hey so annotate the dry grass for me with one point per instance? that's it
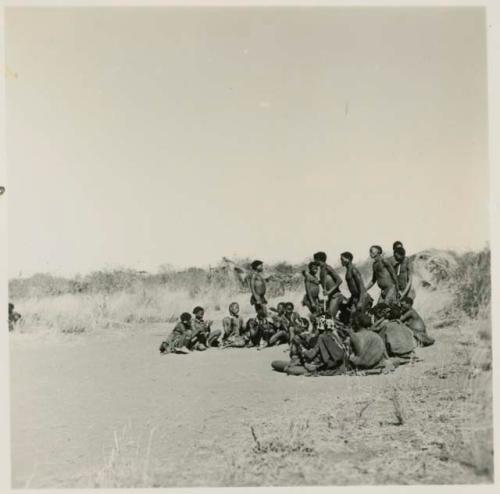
(447, 286)
(429, 426)
(128, 464)
(86, 313)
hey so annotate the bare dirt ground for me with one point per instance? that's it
(109, 410)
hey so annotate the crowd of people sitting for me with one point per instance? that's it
(341, 334)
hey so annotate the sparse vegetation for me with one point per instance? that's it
(430, 422)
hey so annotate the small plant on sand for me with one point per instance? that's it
(127, 465)
(399, 406)
(294, 440)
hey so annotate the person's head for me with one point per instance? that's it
(320, 257)
(198, 312)
(361, 320)
(380, 311)
(399, 253)
(234, 308)
(406, 303)
(346, 258)
(257, 266)
(281, 307)
(289, 307)
(375, 251)
(186, 318)
(394, 313)
(313, 267)
(260, 309)
(11, 307)
(396, 244)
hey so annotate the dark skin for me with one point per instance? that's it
(280, 309)
(258, 284)
(354, 281)
(280, 313)
(182, 326)
(412, 318)
(234, 321)
(199, 319)
(312, 285)
(330, 279)
(330, 282)
(405, 275)
(383, 272)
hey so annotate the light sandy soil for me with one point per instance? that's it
(109, 410)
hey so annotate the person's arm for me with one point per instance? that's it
(372, 281)
(406, 316)
(273, 276)
(208, 325)
(408, 286)
(337, 279)
(391, 270)
(377, 327)
(361, 287)
(308, 291)
(195, 329)
(241, 327)
(311, 353)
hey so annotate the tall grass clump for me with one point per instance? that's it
(472, 281)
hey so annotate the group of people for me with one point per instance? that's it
(342, 333)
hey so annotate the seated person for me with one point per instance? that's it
(260, 328)
(234, 328)
(203, 336)
(281, 324)
(294, 366)
(368, 348)
(180, 337)
(413, 320)
(295, 321)
(326, 357)
(398, 338)
(278, 315)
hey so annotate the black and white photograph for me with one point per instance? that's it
(247, 245)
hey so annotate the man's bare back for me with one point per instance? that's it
(382, 274)
(354, 281)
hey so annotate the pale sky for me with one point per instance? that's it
(137, 137)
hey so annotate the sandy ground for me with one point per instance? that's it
(99, 410)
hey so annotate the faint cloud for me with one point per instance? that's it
(264, 104)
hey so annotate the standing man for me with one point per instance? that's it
(392, 259)
(330, 282)
(359, 300)
(404, 271)
(258, 285)
(311, 299)
(385, 277)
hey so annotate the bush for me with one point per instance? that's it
(472, 283)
